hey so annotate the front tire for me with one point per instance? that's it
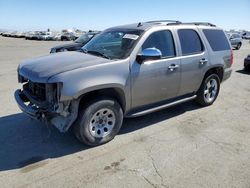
(99, 121)
(208, 90)
(247, 68)
(238, 46)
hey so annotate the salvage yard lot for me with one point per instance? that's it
(182, 146)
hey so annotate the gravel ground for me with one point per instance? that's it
(183, 146)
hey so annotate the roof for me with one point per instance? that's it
(150, 24)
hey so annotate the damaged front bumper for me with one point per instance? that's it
(62, 117)
(21, 99)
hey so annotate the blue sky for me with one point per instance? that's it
(101, 14)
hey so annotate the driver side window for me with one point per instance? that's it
(162, 40)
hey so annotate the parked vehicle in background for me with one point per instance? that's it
(57, 37)
(19, 34)
(38, 35)
(5, 34)
(247, 63)
(46, 35)
(247, 37)
(67, 36)
(33, 35)
(125, 71)
(235, 40)
(77, 44)
(28, 35)
(13, 34)
(43, 36)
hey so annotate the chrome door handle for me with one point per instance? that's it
(172, 67)
(203, 61)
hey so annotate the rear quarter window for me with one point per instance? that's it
(217, 39)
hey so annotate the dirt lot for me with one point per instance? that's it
(183, 146)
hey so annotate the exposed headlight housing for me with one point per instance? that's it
(63, 50)
(53, 50)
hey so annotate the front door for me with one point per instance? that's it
(156, 80)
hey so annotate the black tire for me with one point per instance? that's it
(247, 68)
(87, 112)
(238, 46)
(201, 97)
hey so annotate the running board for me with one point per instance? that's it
(144, 112)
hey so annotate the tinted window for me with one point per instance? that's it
(163, 41)
(217, 39)
(190, 41)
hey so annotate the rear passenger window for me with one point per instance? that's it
(217, 39)
(190, 41)
(163, 41)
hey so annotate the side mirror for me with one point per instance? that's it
(149, 54)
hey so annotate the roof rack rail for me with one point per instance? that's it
(201, 23)
(164, 21)
(176, 22)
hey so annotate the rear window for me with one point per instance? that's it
(190, 42)
(217, 39)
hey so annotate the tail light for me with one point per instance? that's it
(231, 58)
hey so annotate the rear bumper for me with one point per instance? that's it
(227, 73)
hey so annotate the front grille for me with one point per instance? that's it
(37, 90)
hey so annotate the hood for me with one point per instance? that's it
(42, 68)
(68, 45)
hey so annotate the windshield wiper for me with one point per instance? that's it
(84, 50)
(98, 54)
(95, 53)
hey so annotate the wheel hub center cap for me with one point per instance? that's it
(101, 121)
(211, 89)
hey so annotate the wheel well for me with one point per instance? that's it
(216, 70)
(115, 93)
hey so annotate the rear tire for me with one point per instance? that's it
(208, 90)
(98, 121)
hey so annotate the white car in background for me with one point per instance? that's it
(46, 36)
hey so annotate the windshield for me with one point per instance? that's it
(84, 38)
(114, 43)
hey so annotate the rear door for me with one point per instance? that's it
(194, 59)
